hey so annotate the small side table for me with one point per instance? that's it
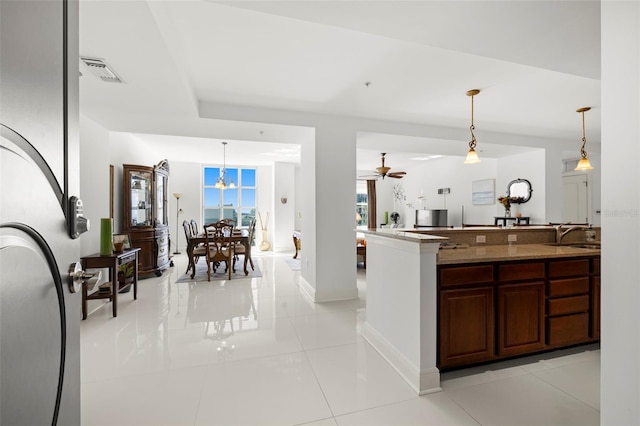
(112, 262)
(519, 220)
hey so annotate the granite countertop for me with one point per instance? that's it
(403, 234)
(493, 253)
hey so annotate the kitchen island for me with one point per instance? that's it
(430, 308)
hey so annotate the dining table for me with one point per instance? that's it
(238, 236)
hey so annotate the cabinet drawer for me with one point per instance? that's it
(567, 268)
(465, 275)
(568, 286)
(521, 271)
(163, 260)
(568, 329)
(163, 250)
(568, 305)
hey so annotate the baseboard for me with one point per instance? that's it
(422, 381)
(307, 288)
(310, 291)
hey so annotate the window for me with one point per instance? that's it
(362, 205)
(237, 203)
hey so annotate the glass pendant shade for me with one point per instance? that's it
(583, 164)
(472, 157)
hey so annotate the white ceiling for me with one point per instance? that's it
(535, 63)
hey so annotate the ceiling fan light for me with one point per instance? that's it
(583, 165)
(383, 170)
(472, 157)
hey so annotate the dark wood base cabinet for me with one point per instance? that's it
(474, 342)
(495, 311)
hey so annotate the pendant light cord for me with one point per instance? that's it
(583, 153)
(472, 143)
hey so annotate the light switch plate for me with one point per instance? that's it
(512, 238)
(481, 239)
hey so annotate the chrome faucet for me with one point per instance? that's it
(560, 233)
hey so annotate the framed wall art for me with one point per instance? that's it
(483, 192)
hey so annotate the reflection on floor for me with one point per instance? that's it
(257, 351)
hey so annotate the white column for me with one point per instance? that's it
(328, 232)
(402, 307)
(620, 354)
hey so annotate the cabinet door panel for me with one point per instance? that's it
(520, 318)
(466, 326)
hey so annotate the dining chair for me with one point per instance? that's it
(194, 227)
(199, 250)
(219, 247)
(240, 248)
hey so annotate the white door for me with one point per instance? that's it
(39, 316)
(575, 190)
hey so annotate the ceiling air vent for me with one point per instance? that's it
(101, 69)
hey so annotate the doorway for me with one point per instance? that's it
(576, 206)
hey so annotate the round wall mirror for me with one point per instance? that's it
(519, 191)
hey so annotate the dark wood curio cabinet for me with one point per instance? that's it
(145, 216)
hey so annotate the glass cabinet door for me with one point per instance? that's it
(161, 200)
(140, 203)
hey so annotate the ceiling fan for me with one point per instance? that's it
(383, 171)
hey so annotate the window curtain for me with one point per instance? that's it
(371, 204)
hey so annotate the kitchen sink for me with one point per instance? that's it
(592, 246)
(586, 246)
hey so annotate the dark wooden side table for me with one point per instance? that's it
(113, 263)
(517, 220)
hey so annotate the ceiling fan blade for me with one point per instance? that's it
(397, 174)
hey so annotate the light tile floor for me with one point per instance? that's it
(259, 352)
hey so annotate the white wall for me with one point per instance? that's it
(530, 166)
(283, 213)
(184, 178)
(94, 181)
(426, 177)
(264, 180)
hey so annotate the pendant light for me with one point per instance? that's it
(221, 183)
(472, 155)
(584, 163)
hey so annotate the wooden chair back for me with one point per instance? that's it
(187, 229)
(219, 245)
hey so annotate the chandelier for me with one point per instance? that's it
(221, 183)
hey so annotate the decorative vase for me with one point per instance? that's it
(507, 212)
(265, 244)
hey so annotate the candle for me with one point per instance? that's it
(386, 218)
(106, 236)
